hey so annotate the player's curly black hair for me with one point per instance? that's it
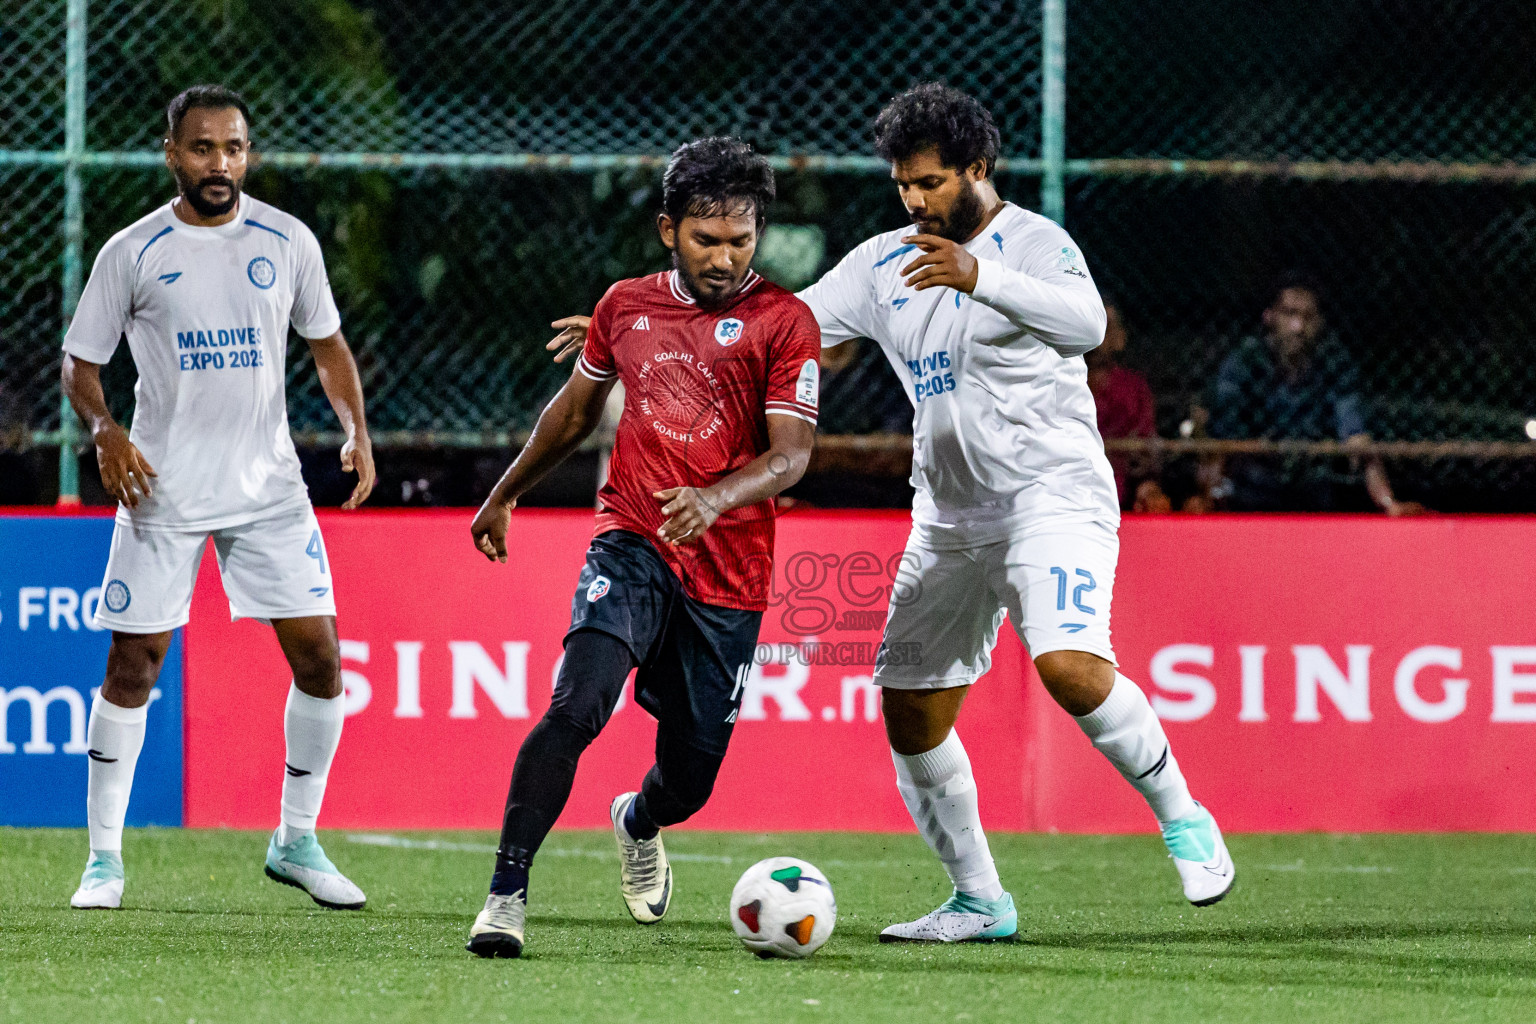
(714, 176)
(933, 115)
(208, 97)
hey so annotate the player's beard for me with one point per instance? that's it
(965, 216)
(705, 299)
(192, 192)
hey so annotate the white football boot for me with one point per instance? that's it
(961, 918)
(101, 887)
(304, 865)
(498, 929)
(645, 876)
(1200, 854)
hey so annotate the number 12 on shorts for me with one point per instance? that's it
(1078, 591)
(316, 550)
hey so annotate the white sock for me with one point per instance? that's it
(1125, 729)
(940, 793)
(115, 737)
(312, 727)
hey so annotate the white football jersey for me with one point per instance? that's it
(1004, 427)
(206, 311)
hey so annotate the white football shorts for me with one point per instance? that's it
(273, 568)
(1054, 581)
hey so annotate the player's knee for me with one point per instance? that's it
(1076, 680)
(916, 721)
(133, 666)
(317, 670)
(581, 724)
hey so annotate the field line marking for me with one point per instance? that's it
(404, 843)
(1350, 869)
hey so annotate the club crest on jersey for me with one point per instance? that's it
(261, 272)
(728, 332)
(597, 588)
(117, 596)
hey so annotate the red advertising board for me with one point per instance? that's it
(1313, 673)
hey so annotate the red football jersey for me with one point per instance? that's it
(698, 388)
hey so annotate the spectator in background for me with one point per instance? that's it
(1125, 409)
(1296, 381)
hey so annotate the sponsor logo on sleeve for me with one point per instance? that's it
(261, 272)
(806, 388)
(728, 332)
(597, 588)
(1067, 262)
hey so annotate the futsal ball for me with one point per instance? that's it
(783, 907)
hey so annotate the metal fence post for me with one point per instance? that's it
(74, 230)
(1053, 108)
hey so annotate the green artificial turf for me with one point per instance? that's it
(1345, 928)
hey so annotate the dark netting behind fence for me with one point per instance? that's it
(1390, 153)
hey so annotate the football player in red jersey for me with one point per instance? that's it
(720, 396)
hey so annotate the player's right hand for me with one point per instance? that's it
(125, 472)
(572, 336)
(490, 528)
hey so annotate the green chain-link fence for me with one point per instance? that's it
(475, 169)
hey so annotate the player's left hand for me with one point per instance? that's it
(357, 456)
(943, 264)
(689, 514)
(572, 336)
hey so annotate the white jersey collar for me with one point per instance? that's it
(244, 210)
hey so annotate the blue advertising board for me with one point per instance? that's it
(52, 659)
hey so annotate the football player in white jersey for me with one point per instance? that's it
(984, 309)
(205, 288)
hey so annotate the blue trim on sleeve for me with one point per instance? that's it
(158, 235)
(898, 252)
(259, 224)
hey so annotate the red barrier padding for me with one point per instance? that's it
(1313, 673)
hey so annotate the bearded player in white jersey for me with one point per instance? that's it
(205, 288)
(985, 309)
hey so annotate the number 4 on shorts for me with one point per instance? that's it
(316, 550)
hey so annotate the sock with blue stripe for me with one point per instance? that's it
(1125, 729)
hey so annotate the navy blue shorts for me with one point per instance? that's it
(693, 657)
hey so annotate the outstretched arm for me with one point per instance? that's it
(691, 511)
(339, 380)
(1069, 318)
(565, 422)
